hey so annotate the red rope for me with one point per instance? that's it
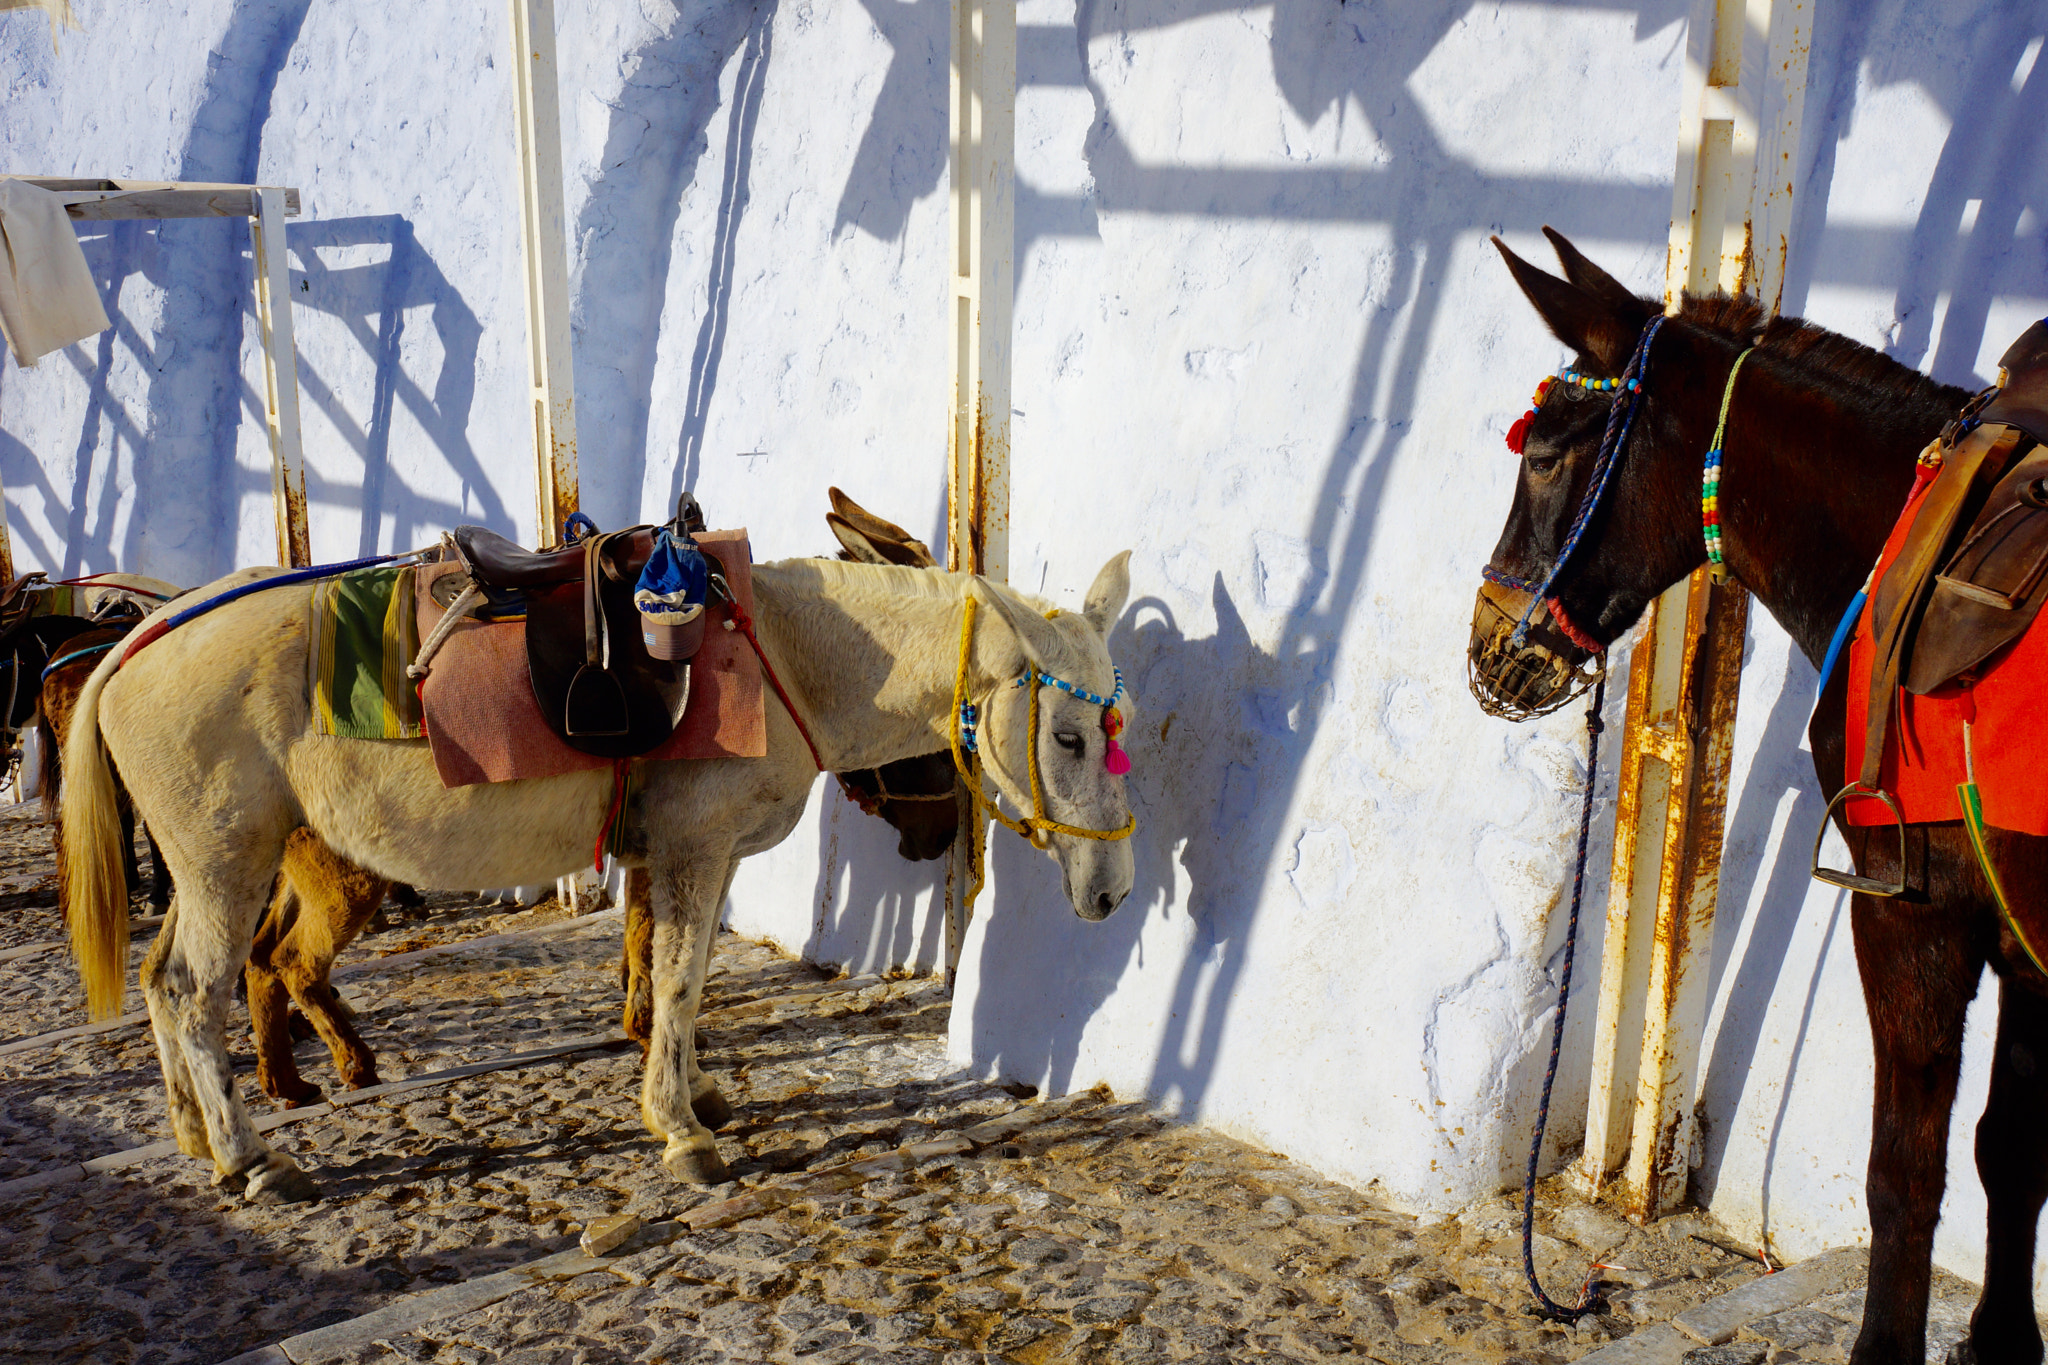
(745, 623)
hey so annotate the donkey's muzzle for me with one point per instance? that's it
(1526, 680)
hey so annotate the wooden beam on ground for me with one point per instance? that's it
(1745, 86)
(982, 251)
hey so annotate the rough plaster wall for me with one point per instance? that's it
(1260, 340)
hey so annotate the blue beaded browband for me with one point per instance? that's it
(1079, 692)
(970, 714)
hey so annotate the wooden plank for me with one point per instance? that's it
(280, 380)
(101, 199)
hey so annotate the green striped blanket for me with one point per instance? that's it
(363, 636)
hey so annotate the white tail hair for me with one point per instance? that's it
(95, 877)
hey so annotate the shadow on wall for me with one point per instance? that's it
(1230, 723)
(626, 232)
(180, 445)
(374, 302)
(875, 910)
(1216, 804)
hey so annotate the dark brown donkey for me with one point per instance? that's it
(1820, 448)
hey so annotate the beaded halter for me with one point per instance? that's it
(1619, 421)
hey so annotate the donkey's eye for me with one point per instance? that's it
(1071, 741)
(1543, 464)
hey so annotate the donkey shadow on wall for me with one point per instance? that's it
(1215, 756)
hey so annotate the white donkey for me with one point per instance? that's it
(212, 728)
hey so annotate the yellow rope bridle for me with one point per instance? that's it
(1038, 824)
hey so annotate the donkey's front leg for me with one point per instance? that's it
(1919, 967)
(686, 896)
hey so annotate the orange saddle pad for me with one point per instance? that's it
(485, 726)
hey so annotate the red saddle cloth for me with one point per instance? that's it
(1923, 755)
(484, 725)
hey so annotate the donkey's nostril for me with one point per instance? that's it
(1104, 903)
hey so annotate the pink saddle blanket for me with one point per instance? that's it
(485, 726)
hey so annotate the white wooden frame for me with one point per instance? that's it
(982, 133)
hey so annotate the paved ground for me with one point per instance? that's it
(1097, 1234)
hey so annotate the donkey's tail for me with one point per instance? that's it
(95, 880)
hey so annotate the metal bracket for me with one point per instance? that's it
(1850, 881)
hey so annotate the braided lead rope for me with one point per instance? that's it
(1548, 1308)
(1620, 418)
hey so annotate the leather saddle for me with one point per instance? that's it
(1973, 572)
(597, 685)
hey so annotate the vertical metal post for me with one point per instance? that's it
(280, 377)
(547, 273)
(982, 134)
(1745, 85)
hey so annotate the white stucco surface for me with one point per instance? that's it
(1261, 340)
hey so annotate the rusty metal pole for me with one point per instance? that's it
(983, 139)
(1738, 147)
(542, 233)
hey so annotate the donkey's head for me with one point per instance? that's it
(1593, 534)
(1049, 726)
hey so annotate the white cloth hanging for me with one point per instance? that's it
(47, 297)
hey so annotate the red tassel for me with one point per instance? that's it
(1518, 434)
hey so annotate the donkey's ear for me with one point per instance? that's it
(1037, 641)
(866, 549)
(892, 542)
(1575, 316)
(1105, 600)
(1595, 281)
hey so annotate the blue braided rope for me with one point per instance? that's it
(63, 659)
(1549, 1308)
(1075, 689)
(1619, 420)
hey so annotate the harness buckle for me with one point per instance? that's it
(1850, 881)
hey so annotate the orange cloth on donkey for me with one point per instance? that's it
(1923, 752)
(485, 726)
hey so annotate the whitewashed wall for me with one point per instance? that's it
(1261, 340)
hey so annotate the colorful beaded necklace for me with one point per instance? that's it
(1710, 480)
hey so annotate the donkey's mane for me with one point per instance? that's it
(890, 579)
(1860, 372)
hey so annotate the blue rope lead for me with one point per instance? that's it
(151, 633)
(1548, 1308)
(1842, 633)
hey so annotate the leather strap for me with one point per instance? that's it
(1969, 469)
(593, 613)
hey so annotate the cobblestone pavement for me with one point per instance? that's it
(1100, 1234)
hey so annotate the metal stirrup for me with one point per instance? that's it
(1850, 881)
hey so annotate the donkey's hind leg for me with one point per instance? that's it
(189, 991)
(710, 1106)
(336, 901)
(188, 1124)
(686, 896)
(2012, 1160)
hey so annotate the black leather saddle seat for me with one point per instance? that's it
(497, 562)
(596, 683)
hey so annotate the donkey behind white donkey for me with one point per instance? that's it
(212, 730)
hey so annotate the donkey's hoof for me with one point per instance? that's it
(285, 1184)
(712, 1109)
(312, 1094)
(695, 1162)
(1962, 1353)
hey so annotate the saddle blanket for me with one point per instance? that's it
(1923, 759)
(484, 725)
(361, 639)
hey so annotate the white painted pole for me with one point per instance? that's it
(542, 238)
(1743, 99)
(982, 251)
(280, 377)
